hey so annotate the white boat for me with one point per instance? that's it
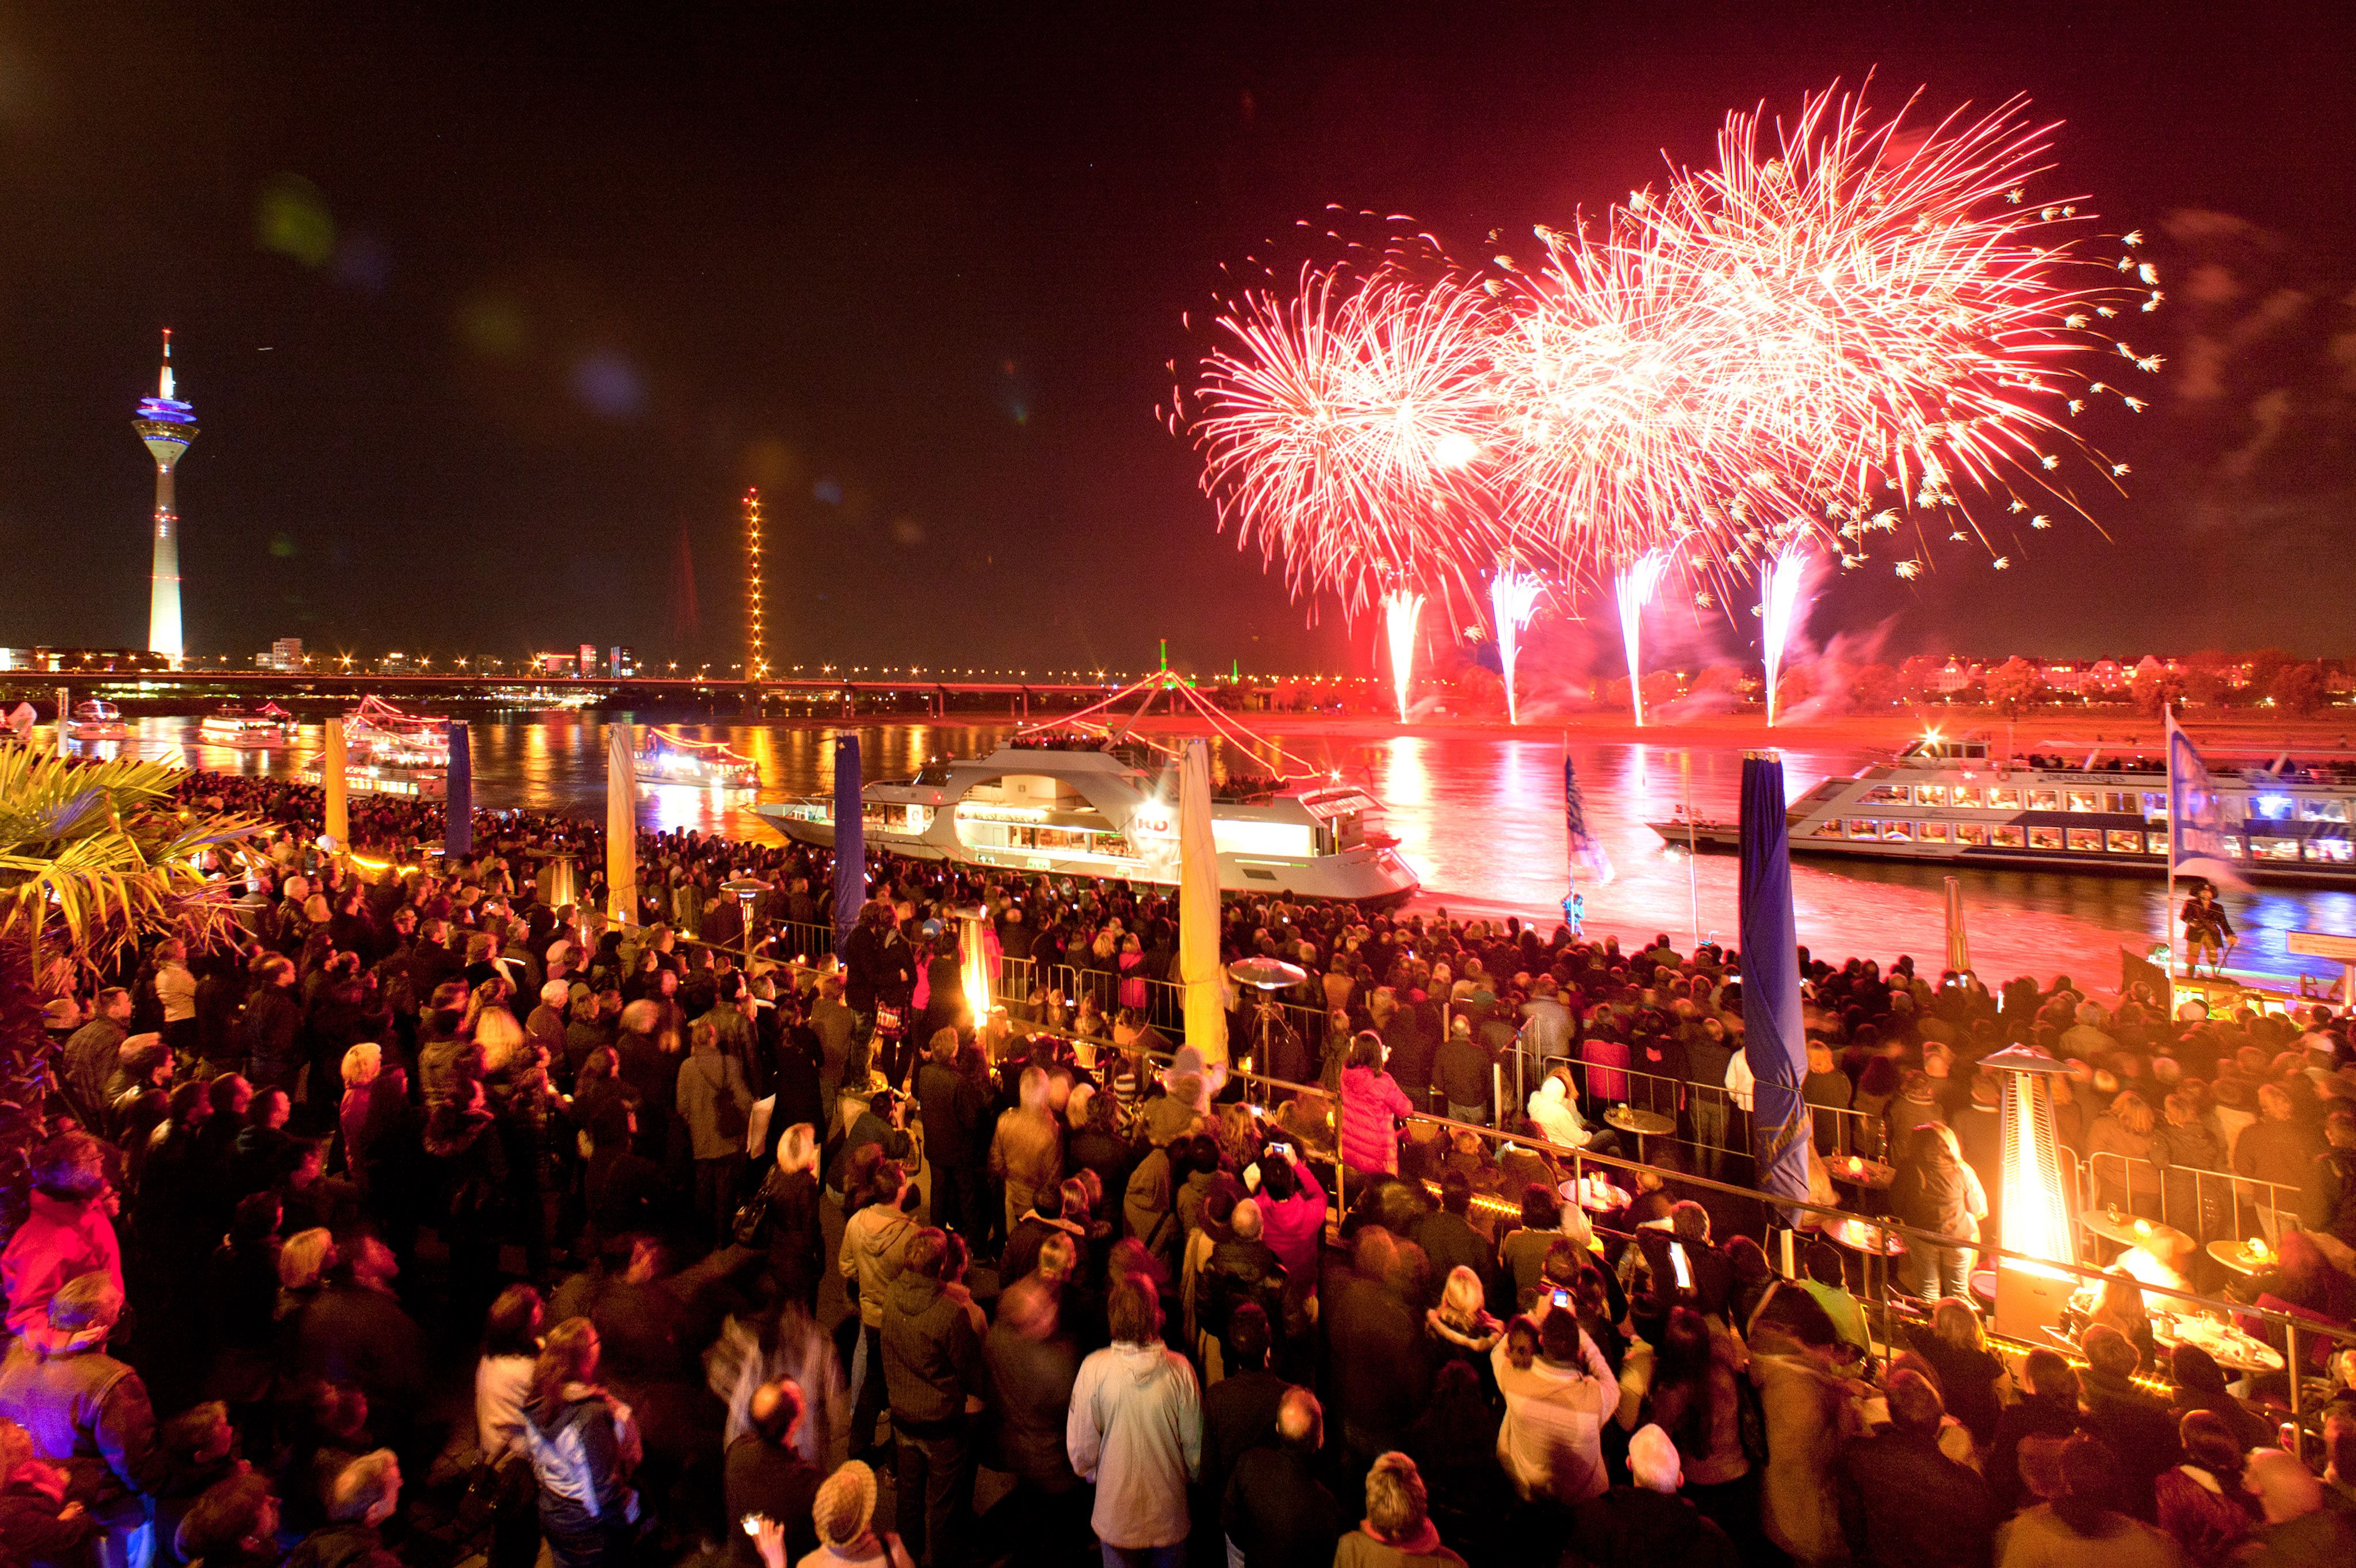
(388, 752)
(1094, 812)
(670, 758)
(97, 720)
(246, 729)
(1960, 801)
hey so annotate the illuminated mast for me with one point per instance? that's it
(168, 427)
(756, 636)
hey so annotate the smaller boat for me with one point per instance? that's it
(96, 720)
(388, 752)
(246, 729)
(670, 758)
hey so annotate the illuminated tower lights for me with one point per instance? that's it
(168, 427)
(756, 636)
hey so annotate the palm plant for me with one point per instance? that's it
(92, 856)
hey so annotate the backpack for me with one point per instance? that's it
(727, 1115)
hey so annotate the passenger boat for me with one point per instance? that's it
(670, 758)
(1960, 801)
(1082, 805)
(388, 752)
(97, 720)
(246, 729)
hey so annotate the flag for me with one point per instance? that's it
(849, 841)
(2198, 833)
(1585, 849)
(1773, 1045)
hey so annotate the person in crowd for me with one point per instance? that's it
(2048, 1407)
(1276, 1510)
(1551, 1439)
(1969, 1372)
(2302, 1528)
(715, 1103)
(362, 1496)
(1026, 1153)
(1032, 1362)
(1810, 1413)
(1372, 1105)
(875, 1249)
(584, 1444)
(85, 1409)
(2204, 1502)
(1136, 1432)
(2135, 1426)
(932, 1362)
(1396, 1531)
(1904, 1503)
(1649, 1524)
(511, 1344)
(1935, 1191)
(767, 1479)
(2078, 1526)
(69, 1232)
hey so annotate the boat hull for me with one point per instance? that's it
(1375, 877)
(1726, 838)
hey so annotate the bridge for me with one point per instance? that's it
(316, 691)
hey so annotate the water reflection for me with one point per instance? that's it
(1480, 818)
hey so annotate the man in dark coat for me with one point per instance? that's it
(1648, 1525)
(953, 1138)
(767, 1475)
(2139, 1429)
(1240, 1409)
(1448, 1239)
(86, 1412)
(1903, 1504)
(1275, 1511)
(932, 1360)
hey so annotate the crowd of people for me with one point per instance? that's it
(411, 1211)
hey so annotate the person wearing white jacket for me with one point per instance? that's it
(1550, 1444)
(1557, 1113)
(1136, 1431)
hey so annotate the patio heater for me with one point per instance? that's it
(2037, 1208)
(744, 890)
(973, 962)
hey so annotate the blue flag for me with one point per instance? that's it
(850, 842)
(2196, 828)
(1773, 1045)
(458, 813)
(1585, 849)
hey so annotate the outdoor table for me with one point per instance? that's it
(1640, 1124)
(1596, 1197)
(2229, 1346)
(2237, 1256)
(2131, 1231)
(1864, 1236)
(1869, 1176)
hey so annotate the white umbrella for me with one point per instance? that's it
(622, 825)
(1198, 907)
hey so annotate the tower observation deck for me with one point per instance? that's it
(167, 427)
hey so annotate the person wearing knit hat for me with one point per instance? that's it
(845, 1507)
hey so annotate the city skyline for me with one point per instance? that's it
(525, 375)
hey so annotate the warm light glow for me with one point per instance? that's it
(1402, 609)
(1779, 600)
(1513, 595)
(757, 633)
(2036, 1204)
(973, 965)
(1634, 588)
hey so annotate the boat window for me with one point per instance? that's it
(1898, 831)
(2119, 803)
(2083, 799)
(2007, 838)
(2045, 838)
(1931, 833)
(2086, 840)
(2334, 850)
(1930, 794)
(1864, 828)
(1975, 748)
(1244, 836)
(2044, 799)
(2155, 805)
(2003, 799)
(1971, 832)
(1830, 828)
(2233, 842)
(1884, 795)
(2272, 848)
(1968, 795)
(932, 777)
(2270, 808)
(2311, 810)
(2121, 841)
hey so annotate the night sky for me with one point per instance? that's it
(490, 312)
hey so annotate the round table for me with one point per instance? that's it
(2237, 1256)
(1860, 1236)
(1609, 1200)
(2124, 1229)
(1640, 1124)
(1869, 1175)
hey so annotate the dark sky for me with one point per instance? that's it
(490, 312)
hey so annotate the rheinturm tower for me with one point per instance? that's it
(167, 426)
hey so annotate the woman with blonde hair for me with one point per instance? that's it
(303, 1262)
(373, 1118)
(584, 1444)
(498, 1037)
(795, 1242)
(2119, 1152)
(1460, 1327)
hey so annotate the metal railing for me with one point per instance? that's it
(2209, 1206)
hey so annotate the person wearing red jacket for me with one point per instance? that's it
(70, 1231)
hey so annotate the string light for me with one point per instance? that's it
(756, 636)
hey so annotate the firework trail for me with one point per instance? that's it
(1634, 588)
(1345, 427)
(1402, 609)
(1513, 599)
(1779, 612)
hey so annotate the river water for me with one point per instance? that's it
(1481, 819)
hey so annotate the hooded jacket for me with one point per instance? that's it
(1135, 1430)
(1371, 1105)
(1558, 1118)
(932, 1358)
(874, 1244)
(62, 1240)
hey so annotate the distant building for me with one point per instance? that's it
(556, 665)
(588, 665)
(286, 655)
(622, 662)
